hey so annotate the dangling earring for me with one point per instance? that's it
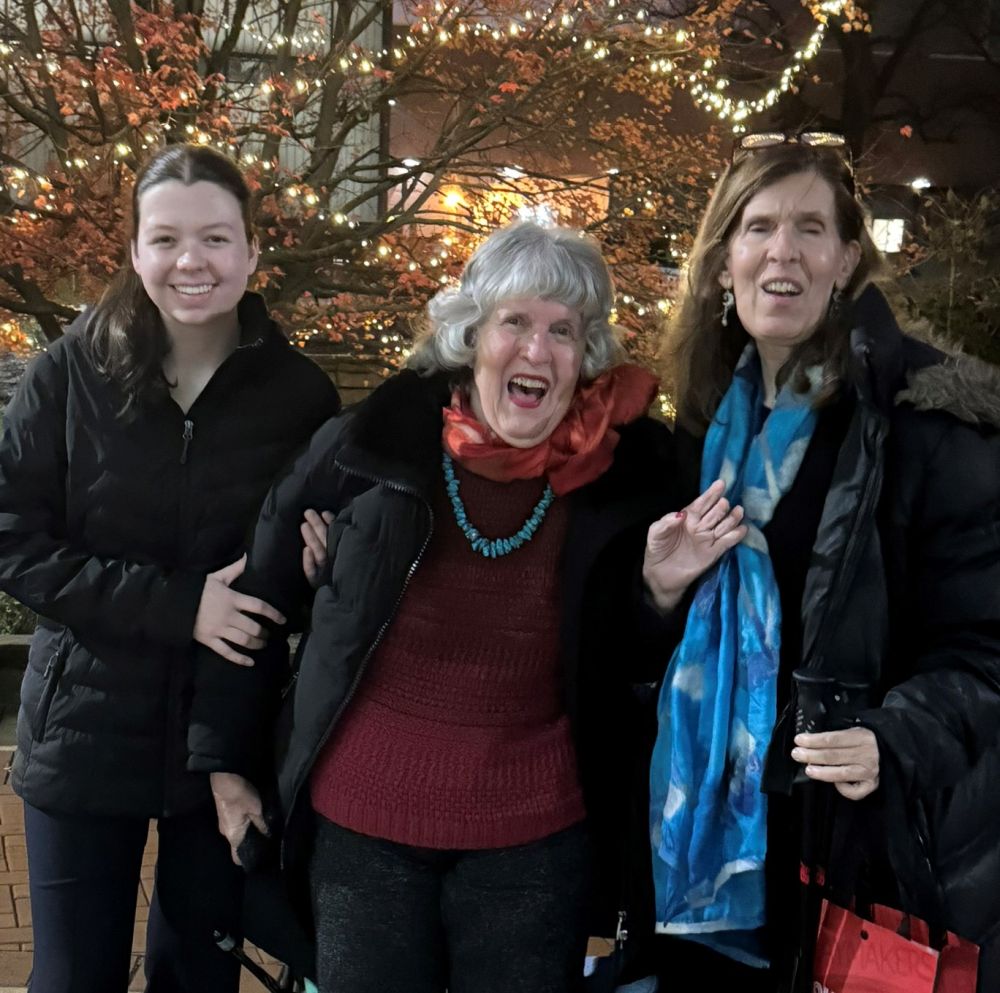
(727, 305)
(836, 299)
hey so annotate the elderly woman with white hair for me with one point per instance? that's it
(460, 720)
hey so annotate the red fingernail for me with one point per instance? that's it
(680, 515)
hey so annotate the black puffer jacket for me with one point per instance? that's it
(107, 529)
(903, 593)
(375, 468)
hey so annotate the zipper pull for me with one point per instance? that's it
(187, 436)
(621, 932)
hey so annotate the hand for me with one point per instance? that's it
(848, 759)
(314, 528)
(223, 616)
(237, 804)
(682, 546)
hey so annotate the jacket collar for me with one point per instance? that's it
(394, 435)
(877, 361)
(256, 324)
(891, 368)
(960, 385)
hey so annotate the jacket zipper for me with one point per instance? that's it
(50, 684)
(371, 649)
(183, 499)
(186, 438)
(621, 931)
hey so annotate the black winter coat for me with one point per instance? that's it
(375, 468)
(107, 529)
(903, 593)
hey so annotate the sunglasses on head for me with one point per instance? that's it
(754, 141)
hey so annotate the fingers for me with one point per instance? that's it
(711, 515)
(242, 630)
(314, 528)
(715, 514)
(860, 762)
(310, 567)
(257, 820)
(857, 791)
(732, 520)
(730, 539)
(314, 536)
(231, 572)
(848, 759)
(854, 772)
(229, 653)
(700, 505)
(254, 605)
(664, 534)
(846, 738)
(235, 828)
(235, 838)
(854, 782)
(242, 639)
(724, 527)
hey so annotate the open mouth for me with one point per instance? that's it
(202, 289)
(527, 391)
(782, 288)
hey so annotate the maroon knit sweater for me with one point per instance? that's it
(458, 736)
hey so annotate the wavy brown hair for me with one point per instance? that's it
(124, 331)
(701, 353)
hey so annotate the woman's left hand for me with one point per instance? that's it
(313, 530)
(237, 805)
(848, 759)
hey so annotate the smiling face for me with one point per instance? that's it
(192, 255)
(527, 366)
(784, 260)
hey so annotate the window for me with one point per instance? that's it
(887, 233)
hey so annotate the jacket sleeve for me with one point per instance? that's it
(46, 568)
(937, 723)
(233, 707)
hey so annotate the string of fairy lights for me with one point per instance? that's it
(703, 79)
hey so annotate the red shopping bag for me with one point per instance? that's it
(891, 953)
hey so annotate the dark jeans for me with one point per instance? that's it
(84, 876)
(395, 919)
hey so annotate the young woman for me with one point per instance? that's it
(135, 455)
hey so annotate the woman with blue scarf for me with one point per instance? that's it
(828, 721)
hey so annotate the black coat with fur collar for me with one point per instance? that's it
(374, 467)
(903, 593)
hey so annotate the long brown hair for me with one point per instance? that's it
(701, 352)
(124, 330)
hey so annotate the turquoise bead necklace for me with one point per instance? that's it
(496, 547)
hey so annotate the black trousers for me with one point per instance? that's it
(84, 876)
(395, 919)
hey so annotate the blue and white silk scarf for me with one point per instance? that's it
(708, 817)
